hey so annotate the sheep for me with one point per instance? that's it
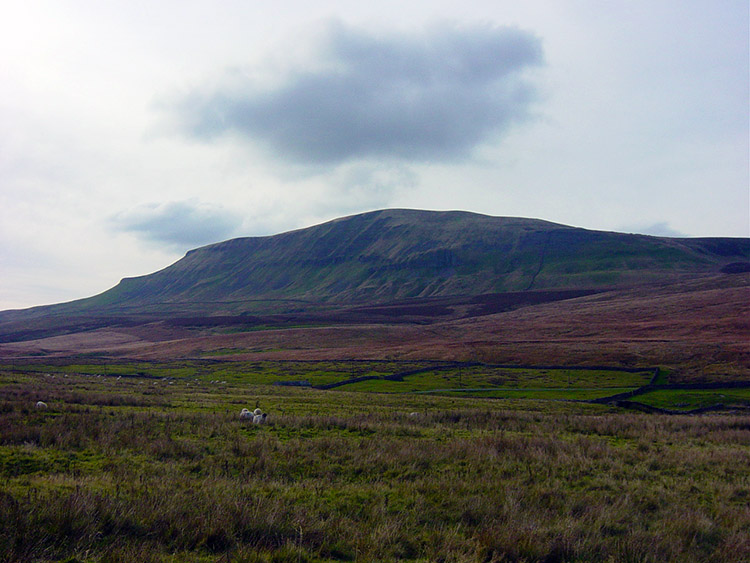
(257, 415)
(41, 405)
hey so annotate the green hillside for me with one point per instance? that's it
(392, 255)
(398, 254)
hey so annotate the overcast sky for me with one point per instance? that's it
(132, 131)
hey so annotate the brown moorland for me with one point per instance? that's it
(699, 329)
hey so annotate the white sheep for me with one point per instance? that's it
(41, 405)
(246, 415)
(259, 418)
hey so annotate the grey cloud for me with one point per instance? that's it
(429, 96)
(183, 224)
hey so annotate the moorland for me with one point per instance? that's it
(148, 466)
(439, 387)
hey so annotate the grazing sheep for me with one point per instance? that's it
(259, 418)
(246, 415)
(41, 405)
(414, 414)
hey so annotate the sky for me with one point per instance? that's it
(133, 131)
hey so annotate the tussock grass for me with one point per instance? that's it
(167, 472)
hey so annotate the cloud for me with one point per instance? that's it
(660, 229)
(183, 224)
(430, 96)
(369, 186)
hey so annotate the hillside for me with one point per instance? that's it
(425, 285)
(403, 254)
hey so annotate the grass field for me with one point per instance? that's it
(261, 372)
(498, 382)
(160, 468)
(695, 398)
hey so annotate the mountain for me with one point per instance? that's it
(420, 284)
(398, 254)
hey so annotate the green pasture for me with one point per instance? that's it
(687, 399)
(234, 372)
(516, 382)
(205, 378)
(547, 394)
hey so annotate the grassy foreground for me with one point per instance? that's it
(138, 469)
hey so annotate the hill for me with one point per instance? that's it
(383, 267)
(399, 254)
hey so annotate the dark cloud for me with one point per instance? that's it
(428, 96)
(183, 224)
